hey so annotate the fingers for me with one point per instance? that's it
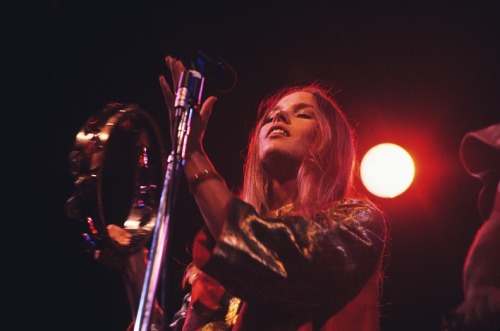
(176, 67)
(119, 235)
(206, 108)
(168, 95)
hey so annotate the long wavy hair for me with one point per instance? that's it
(325, 174)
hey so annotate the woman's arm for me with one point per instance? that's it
(210, 192)
(295, 261)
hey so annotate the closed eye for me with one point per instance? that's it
(303, 115)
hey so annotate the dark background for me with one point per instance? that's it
(418, 74)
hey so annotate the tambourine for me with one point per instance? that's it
(118, 162)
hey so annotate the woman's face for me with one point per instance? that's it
(289, 127)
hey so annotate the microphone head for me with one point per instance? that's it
(217, 72)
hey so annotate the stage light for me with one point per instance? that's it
(387, 170)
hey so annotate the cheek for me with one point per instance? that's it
(261, 137)
(261, 141)
(308, 142)
(308, 137)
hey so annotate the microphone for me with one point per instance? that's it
(218, 73)
(189, 89)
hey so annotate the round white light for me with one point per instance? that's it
(387, 170)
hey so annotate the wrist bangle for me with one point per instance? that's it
(202, 176)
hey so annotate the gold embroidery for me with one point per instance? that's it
(282, 211)
(215, 326)
(230, 318)
(232, 311)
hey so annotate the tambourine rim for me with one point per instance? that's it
(95, 167)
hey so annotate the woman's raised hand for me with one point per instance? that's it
(199, 120)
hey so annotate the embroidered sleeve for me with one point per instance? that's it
(293, 261)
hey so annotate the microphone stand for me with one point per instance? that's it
(188, 97)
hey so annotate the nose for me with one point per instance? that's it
(280, 116)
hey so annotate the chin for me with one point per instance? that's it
(279, 155)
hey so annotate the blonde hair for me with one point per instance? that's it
(326, 172)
